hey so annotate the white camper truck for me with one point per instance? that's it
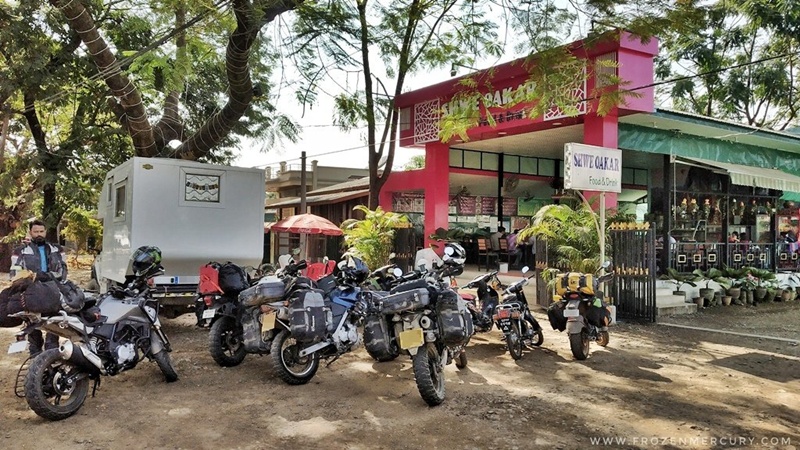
(194, 212)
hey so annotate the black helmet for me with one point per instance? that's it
(145, 260)
(454, 254)
(355, 270)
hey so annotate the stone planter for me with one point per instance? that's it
(708, 294)
(726, 300)
(759, 294)
(700, 302)
(787, 295)
(734, 292)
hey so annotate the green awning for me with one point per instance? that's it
(789, 196)
(755, 176)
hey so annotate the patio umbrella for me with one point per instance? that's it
(307, 224)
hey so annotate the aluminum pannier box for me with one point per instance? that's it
(406, 301)
(268, 289)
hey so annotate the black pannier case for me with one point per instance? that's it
(555, 313)
(405, 301)
(232, 278)
(455, 321)
(307, 316)
(377, 337)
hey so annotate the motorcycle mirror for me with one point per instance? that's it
(398, 272)
(525, 269)
(342, 264)
(606, 264)
(325, 260)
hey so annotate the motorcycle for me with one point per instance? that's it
(308, 322)
(578, 308)
(514, 319)
(427, 320)
(236, 327)
(483, 305)
(102, 338)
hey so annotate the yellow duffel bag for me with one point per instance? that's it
(575, 282)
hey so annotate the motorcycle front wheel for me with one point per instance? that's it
(429, 375)
(165, 364)
(579, 344)
(49, 389)
(514, 341)
(225, 342)
(287, 362)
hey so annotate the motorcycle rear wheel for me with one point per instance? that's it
(225, 342)
(603, 338)
(47, 390)
(579, 344)
(514, 342)
(287, 364)
(165, 364)
(429, 375)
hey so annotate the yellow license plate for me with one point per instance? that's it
(411, 338)
(268, 321)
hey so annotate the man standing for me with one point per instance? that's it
(48, 262)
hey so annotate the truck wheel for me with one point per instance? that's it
(225, 342)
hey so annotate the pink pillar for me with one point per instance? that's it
(436, 187)
(601, 131)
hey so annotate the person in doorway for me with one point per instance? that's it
(733, 238)
(48, 262)
(514, 249)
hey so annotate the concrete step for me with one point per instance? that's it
(684, 308)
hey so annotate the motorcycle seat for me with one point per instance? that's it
(468, 297)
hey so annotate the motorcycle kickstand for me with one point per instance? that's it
(95, 386)
(332, 360)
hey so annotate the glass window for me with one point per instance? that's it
(627, 176)
(547, 168)
(472, 160)
(511, 164)
(456, 157)
(119, 204)
(528, 166)
(640, 177)
(490, 161)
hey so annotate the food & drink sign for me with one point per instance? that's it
(592, 168)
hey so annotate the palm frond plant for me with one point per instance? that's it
(372, 237)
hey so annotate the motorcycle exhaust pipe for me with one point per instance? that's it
(81, 356)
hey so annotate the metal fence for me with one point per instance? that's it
(633, 289)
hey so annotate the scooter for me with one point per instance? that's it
(483, 305)
(514, 319)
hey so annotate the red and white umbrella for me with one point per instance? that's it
(307, 224)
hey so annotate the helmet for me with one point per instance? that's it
(145, 260)
(454, 254)
(355, 270)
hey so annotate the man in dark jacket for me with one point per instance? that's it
(48, 262)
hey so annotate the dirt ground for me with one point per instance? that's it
(654, 386)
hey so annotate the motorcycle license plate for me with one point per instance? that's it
(268, 321)
(17, 347)
(503, 313)
(571, 313)
(411, 338)
(504, 324)
(209, 313)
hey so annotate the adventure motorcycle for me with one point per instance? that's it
(105, 337)
(427, 320)
(579, 308)
(514, 319)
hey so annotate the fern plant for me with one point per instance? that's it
(371, 238)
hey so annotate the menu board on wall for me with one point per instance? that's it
(467, 205)
(409, 202)
(489, 205)
(452, 205)
(509, 206)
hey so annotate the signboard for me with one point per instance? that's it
(452, 205)
(592, 168)
(488, 205)
(467, 205)
(509, 206)
(408, 202)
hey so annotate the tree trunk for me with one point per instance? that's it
(129, 97)
(170, 126)
(237, 54)
(49, 162)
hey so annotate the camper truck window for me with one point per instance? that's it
(202, 188)
(119, 204)
(108, 195)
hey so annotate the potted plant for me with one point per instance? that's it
(713, 274)
(763, 280)
(679, 279)
(736, 280)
